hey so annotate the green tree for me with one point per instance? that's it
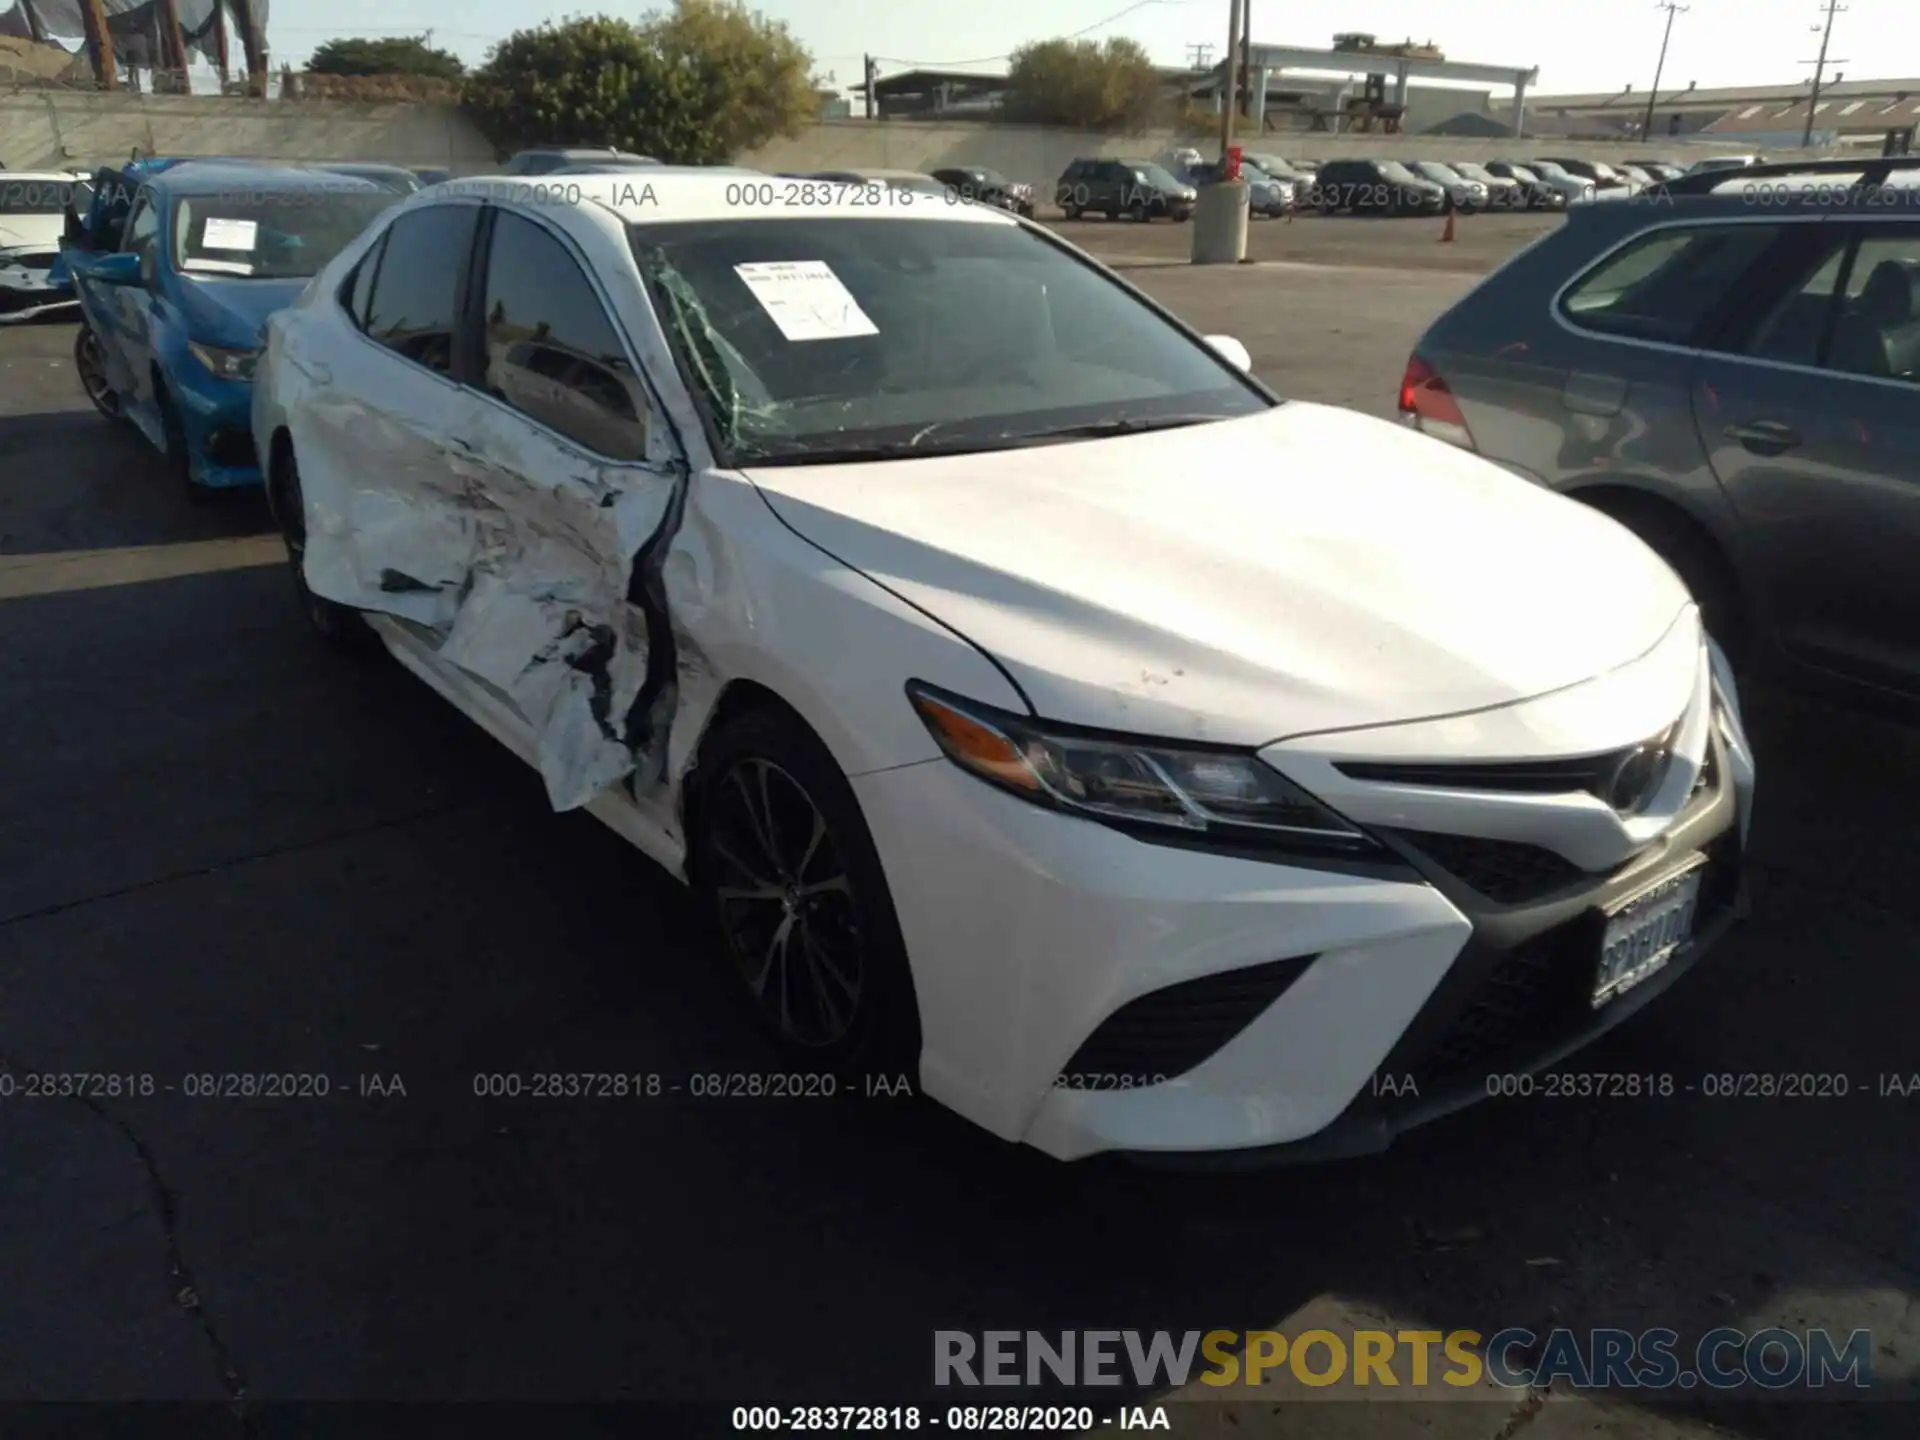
(695, 85)
(401, 55)
(1086, 84)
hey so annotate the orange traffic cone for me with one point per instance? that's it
(1446, 237)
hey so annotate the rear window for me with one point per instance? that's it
(1664, 284)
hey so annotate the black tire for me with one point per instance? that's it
(1699, 564)
(766, 882)
(1072, 212)
(339, 626)
(1139, 214)
(90, 363)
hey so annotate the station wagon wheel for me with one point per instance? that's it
(788, 868)
(339, 625)
(90, 362)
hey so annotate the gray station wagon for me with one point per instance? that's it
(1729, 365)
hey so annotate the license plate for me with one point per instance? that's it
(1646, 930)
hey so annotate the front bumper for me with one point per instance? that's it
(218, 417)
(27, 291)
(1189, 1005)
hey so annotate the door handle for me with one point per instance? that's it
(1765, 437)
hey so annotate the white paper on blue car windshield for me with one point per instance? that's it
(806, 300)
(221, 234)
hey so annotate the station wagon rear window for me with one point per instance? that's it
(1664, 284)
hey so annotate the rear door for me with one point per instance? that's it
(1810, 416)
(376, 448)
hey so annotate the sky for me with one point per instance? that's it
(1715, 42)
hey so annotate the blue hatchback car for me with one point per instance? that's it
(172, 317)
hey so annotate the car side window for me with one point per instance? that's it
(1793, 330)
(414, 308)
(1664, 284)
(552, 351)
(143, 228)
(359, 288)
(1876, 330)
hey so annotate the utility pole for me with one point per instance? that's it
(1243, 79)
(1820, 67)
(1199, 55)
(873, 73)
(1229, 72)
(106, 73)
(1653, 95)
(220, 56)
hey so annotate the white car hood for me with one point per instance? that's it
(1301, 570)
(38, 231)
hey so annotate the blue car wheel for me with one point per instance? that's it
(90, 363)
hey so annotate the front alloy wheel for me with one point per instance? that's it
(802, 907)
(786, 904)
(90, 362)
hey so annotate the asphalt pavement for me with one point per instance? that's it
(226, 852)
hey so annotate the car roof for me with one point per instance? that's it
(197, 177)
(669, 196)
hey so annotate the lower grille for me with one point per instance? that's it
(1169, 1032)
(232, 449)
(1537, 992)
(1539, 995)
(1506, 872)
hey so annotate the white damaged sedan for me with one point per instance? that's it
(1037, 703)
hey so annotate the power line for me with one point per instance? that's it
(989, 59)
(1820, 67)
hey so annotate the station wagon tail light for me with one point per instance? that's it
(1429, 407)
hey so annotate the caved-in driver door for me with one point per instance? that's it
(576, 478)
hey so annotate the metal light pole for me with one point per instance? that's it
(1230, 82)
(1819, 69)
(1653, 96)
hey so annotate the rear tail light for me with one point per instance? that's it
(1429, 407)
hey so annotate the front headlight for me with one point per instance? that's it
(1220, 794)
(227, 364)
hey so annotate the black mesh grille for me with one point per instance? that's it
(231, 447)
(1168, 1032)
(1540, 994)
(1536, 992)
(1507, 872)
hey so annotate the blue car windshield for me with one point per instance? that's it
(271, 234)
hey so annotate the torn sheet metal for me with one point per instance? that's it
(521, 563)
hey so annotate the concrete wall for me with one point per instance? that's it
(59, 129)
(65, 129)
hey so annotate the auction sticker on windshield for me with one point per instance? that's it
(806, 299)
(230, 234)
